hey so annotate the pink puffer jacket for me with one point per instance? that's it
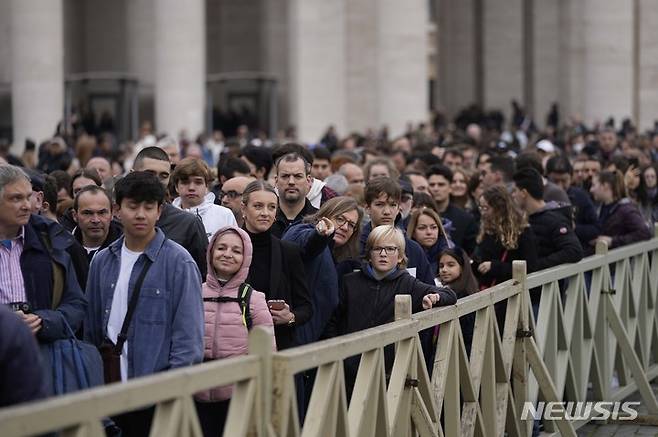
(225, 333)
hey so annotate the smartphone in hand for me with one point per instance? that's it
(277, 305)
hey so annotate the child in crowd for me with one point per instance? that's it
(231, 308)
(367, 297)
(455, 272)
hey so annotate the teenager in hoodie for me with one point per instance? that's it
(367, 297)
(226, 330)
(192, 179)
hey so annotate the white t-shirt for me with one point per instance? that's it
(91, 249)
(120, 304)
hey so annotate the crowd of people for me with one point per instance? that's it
(166, 252)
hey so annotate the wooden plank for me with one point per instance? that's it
(631, 358)
(546, 385)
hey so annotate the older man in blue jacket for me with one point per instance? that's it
(166, 329)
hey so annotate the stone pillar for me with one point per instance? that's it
(546, 58)
(317, 66)
(503, 53)
(648, 41)
(402, 74)
(361, 68)
(37, 69)
(571, 68)
(458, 69)
(140, 25)
(180, 66)
(276, 53)
(608, 84)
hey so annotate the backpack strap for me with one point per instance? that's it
(244, 293)
(243, 299)
(58, 271)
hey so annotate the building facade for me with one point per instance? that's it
(357, 64)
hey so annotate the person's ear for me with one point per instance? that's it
(74, 213)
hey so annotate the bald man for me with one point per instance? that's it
(231, 195)
(101, 165)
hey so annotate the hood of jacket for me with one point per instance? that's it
(59, 237)
(241, 275)
(202, 209)
(315, 193)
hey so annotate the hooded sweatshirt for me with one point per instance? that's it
(213, 216)
(225, 333)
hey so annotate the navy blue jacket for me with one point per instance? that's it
(585, 215)
(321, 278)
(21, 377)
(36, 265)
(415, 255)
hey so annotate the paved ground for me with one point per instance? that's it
(622, 430)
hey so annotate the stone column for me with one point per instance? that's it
(180, 66)
(317, 66)
(37, 69)
(546, 58)
(402, 74)
(457, 34)
(361, 69)
(648, 86)
(503, 53)
(608, 84)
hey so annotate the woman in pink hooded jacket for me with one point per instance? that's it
(227, 322)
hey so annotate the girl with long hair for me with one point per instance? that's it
(504, 237)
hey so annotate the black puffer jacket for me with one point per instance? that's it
(366, 302)
(557, 242)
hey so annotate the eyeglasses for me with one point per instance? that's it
(232, 194)
(342, 221)
(388, 250)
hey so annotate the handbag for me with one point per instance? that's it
(75, 364)
(110, 352)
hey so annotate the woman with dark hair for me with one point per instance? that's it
(455, 272)
(276, 268)
(426, 229)
(505, 236)
(327, 238)
(646, 194)
(620, 219)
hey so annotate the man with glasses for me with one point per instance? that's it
(92, 211)
(231, 195)
(293, 182)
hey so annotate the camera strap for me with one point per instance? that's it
(123, 335)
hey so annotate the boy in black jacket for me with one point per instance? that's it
(557, 242)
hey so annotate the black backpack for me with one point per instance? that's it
(244, 296)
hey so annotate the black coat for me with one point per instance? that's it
(465, 228)
(491, 249)
(366, 302)
(187, 230)
(287, 282)
(557, 242)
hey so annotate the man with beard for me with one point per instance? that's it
(293, 181)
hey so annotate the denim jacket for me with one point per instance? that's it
(167, 327)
